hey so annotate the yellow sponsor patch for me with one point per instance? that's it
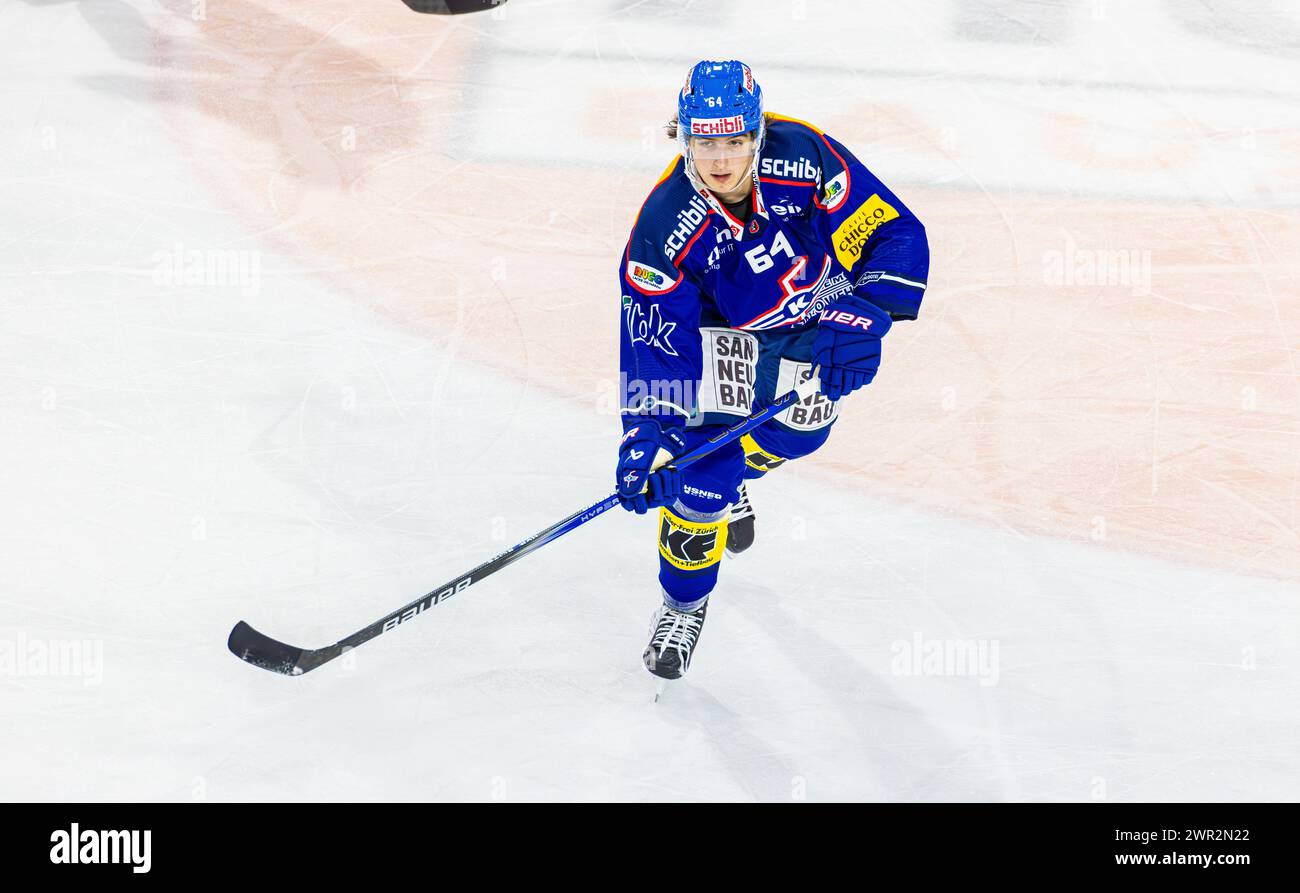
(854, 232)
(758, 458)
(691, 545)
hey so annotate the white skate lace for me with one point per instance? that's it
(742, 508)
(676, 630)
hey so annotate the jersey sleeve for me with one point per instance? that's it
(660, 354)
(875, 237)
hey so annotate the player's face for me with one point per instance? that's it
(723, 161)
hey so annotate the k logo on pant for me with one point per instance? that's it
(690, 545)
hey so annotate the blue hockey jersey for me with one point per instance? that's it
(821, 226)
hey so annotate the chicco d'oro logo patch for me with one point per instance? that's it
(854, 232)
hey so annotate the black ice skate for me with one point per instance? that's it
(740, 528)
(673, 637)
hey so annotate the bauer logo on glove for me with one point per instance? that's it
(847, 346)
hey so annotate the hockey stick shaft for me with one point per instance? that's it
(260, 650)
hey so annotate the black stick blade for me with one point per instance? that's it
(249, 645)
(451, 7)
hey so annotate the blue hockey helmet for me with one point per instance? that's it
(720, 99)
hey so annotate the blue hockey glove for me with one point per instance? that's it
(639, 488)
(847, 345)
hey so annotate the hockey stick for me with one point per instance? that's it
(262, 651)
(451, 7)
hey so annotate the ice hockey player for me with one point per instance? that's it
(765, 250)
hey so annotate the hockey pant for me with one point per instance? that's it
(743, 371)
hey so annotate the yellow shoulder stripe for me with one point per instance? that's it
(667, 171)
(773, 116)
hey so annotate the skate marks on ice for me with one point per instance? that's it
(302, 113)
(790, 714)
(689, 711)
(884, 747)
(121, 26)
(1116, 676)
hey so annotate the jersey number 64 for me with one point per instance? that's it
(759, 257)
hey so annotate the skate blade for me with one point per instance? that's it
(660, 689)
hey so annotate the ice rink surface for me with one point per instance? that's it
(309, 307)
